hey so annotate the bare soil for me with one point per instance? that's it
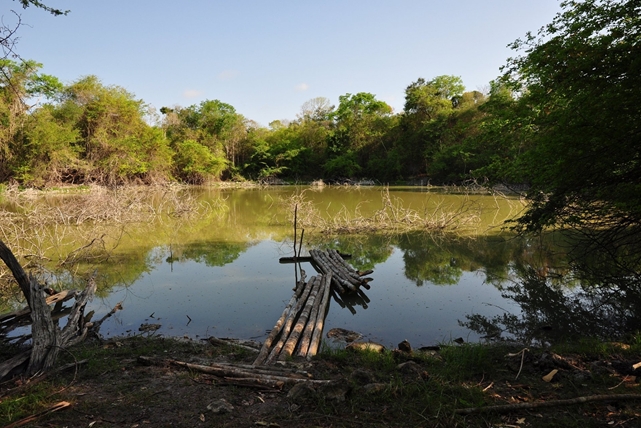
(115, 389)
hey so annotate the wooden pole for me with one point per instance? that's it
(300, 244)
(289, 322)
(320, 318)
(292, 341)
(262, 355)
(295, 220)
(323, 261)
(306, 337)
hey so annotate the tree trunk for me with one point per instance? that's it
(47, 337)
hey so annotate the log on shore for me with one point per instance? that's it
(319, 321)
(243, 375)
(293, 339)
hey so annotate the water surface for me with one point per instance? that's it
(218, 274)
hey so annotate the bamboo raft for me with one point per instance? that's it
(300, 327)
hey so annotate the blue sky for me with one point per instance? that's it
(266, 58)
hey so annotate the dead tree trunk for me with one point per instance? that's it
(47, 338)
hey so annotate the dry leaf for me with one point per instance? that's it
(520, 421)
(636, 366)
(619, 345)
(202, 417)
(548, 377)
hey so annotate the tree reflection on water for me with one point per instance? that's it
(587, 292)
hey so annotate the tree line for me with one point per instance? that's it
(89, 132)
(563, 120)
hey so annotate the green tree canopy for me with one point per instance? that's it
(579, 84)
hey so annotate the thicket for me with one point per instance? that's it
(88, 132)
(562, 120)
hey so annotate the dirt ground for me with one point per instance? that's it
(116, 388)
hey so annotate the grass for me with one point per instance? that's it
(393, 216)
(370, 389)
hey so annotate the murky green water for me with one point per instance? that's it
(219, 273)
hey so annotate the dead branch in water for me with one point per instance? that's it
(393, 216)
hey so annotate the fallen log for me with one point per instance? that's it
(264, 351)
(232, 342)
(339, 283)
(261, 376)
(339, 270)
(343, 266)
(504, 408)
(306, 336)
(62, 296)
(59, 406)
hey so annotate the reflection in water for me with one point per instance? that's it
(349, 300)
(218, 274)
(565, 298)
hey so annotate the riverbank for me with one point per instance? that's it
(108, 384)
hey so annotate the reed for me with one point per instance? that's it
(393, 216)
(79, 225)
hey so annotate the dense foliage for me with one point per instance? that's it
(563, 121)
(87, 132)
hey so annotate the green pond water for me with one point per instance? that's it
(218, 273)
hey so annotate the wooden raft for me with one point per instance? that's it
(300, 327)
(344, 277)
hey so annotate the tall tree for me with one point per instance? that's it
(360, 122)
(118, 146)
(576, 123)
(580, 82)
(427, 106)
(20, 84)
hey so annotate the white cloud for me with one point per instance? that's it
(301, 87)
(192, 93)
(227, 74)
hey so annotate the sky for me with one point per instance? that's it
(267, 58)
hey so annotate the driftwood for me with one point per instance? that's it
(12, 317)
(264, 351)
(240, 343)
(58, 406)
(47, 338)
(242, 374)
(326, 266)
(551, 403)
